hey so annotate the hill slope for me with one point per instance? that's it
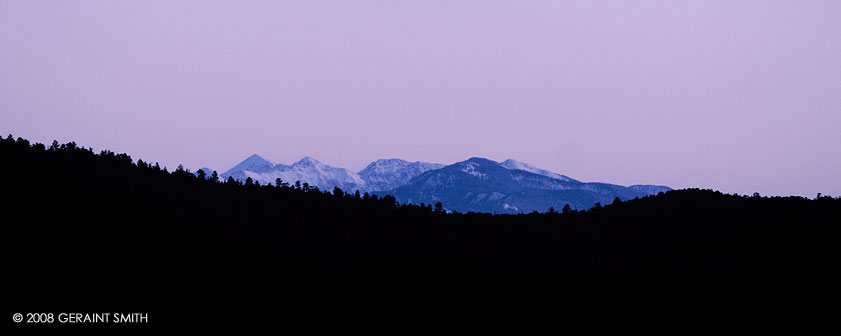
(121, 232)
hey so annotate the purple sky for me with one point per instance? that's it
(739, 96)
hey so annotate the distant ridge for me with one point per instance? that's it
(307, 170)
(483, 185)
(476, 184)
(387, 174)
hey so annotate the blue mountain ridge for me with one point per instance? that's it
(482, 185)
(476, 184)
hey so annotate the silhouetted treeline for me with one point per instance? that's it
(107, 220)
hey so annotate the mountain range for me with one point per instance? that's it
(482, 185)
(476, 184)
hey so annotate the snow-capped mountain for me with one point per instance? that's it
(384, 174)
(476, 184)
(482, 185)
(306, 170)
(252, 167)
(387, 174)
(309, 170)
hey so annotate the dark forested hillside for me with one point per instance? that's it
(106, 229)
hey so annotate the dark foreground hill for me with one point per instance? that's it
(102, 232)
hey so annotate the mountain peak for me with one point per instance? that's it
(382, 161)
(256, 159)
(254, 163)
(480, 160)
(307, 160)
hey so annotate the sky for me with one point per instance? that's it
(734, 95)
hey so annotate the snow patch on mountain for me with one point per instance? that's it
(514, 164)
(470, 168)
(387, 174)
(384, 174)
(306, 170)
